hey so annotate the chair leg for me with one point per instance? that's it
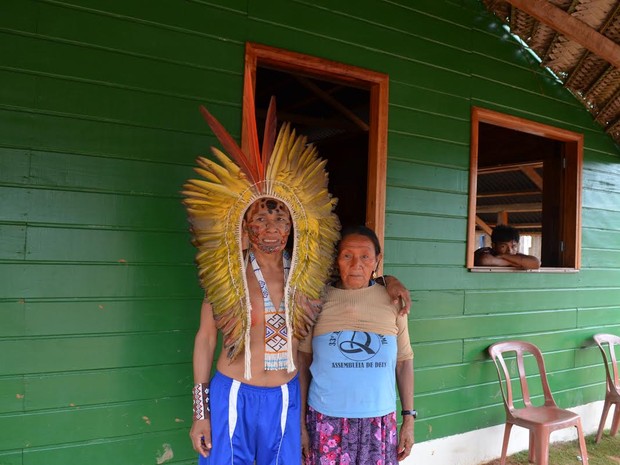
(616, 421)
(507, 428)
(601, 425)
(541, 447)
(532, 448)
(582, 444)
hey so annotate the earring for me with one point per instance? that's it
(374, 275)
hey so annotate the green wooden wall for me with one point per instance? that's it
(99, 128)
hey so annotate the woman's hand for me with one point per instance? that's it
(399, 294)
(405, 438)
(200, 435)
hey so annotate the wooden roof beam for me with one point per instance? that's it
(572, 28)
(511, 208)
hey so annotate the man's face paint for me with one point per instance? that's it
(268, 223)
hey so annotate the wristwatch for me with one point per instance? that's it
(413, 413)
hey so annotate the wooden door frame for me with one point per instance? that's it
(573, 152)
(376, 83)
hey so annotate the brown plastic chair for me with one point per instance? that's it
(539, 420)
(607, 343)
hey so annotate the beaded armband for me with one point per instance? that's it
(201, 401)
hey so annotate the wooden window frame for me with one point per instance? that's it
(571, 191)
(376, 83)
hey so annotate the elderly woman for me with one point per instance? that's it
(358, 353)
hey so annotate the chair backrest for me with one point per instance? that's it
(607, 343)
(500, 351)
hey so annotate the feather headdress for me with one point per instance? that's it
(288, 170)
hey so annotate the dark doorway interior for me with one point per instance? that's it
(335, 118)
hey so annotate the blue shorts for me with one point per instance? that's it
(252, 424)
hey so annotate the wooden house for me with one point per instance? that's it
(437, 124)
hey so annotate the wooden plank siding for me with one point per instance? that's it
(99, 128)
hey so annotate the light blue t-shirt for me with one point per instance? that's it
(353, 374)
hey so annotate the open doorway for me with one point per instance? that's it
(334, 118)
(342, 110)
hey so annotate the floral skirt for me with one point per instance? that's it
(351, 441)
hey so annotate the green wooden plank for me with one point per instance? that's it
(95, 173)
(605, 163)
(136, 36)
(408, 95)
(13, 241)
(438, 329)
(80, 389)
(453, 401)
(54, 133)
(600, 277)
(40, 318)
(522, 77)
(415, 148)
(12, 395)
(111, 246)
(578, 396)
(453, 377)
(436, 303)
(171, 446)
(44, 355)
(458, 277)
(600, 316)
(460, 13)
(600, 258)
(528, 300)
(17, 89)
(423, 227)
(606, 202)
(399, 252)
(400, 69)
(532, 105)
(126, 105)
(405, 19)
(437, 354)
(601, 180)
(322, 22)
(13, 317)
(11, 457)
(14, 164)
(14, 204)
(422, 176)
(465, 420)
(88, 208)
(409, 121)
(549, 343)
(196, 16)
(490, 39)
(589, 357)
(406, 200)
(89, 423)
(121, 69)
(21, 15)
(606, 239)
(560, 346)
(98, 281)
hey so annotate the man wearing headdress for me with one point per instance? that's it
(262, 300)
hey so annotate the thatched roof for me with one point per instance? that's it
(583, 54)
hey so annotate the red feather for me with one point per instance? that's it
(252, 133)
(230, 146)
(271, 126)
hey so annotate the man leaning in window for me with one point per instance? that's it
(504, 251)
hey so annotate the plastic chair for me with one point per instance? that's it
(607, 342)
(539, 420)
